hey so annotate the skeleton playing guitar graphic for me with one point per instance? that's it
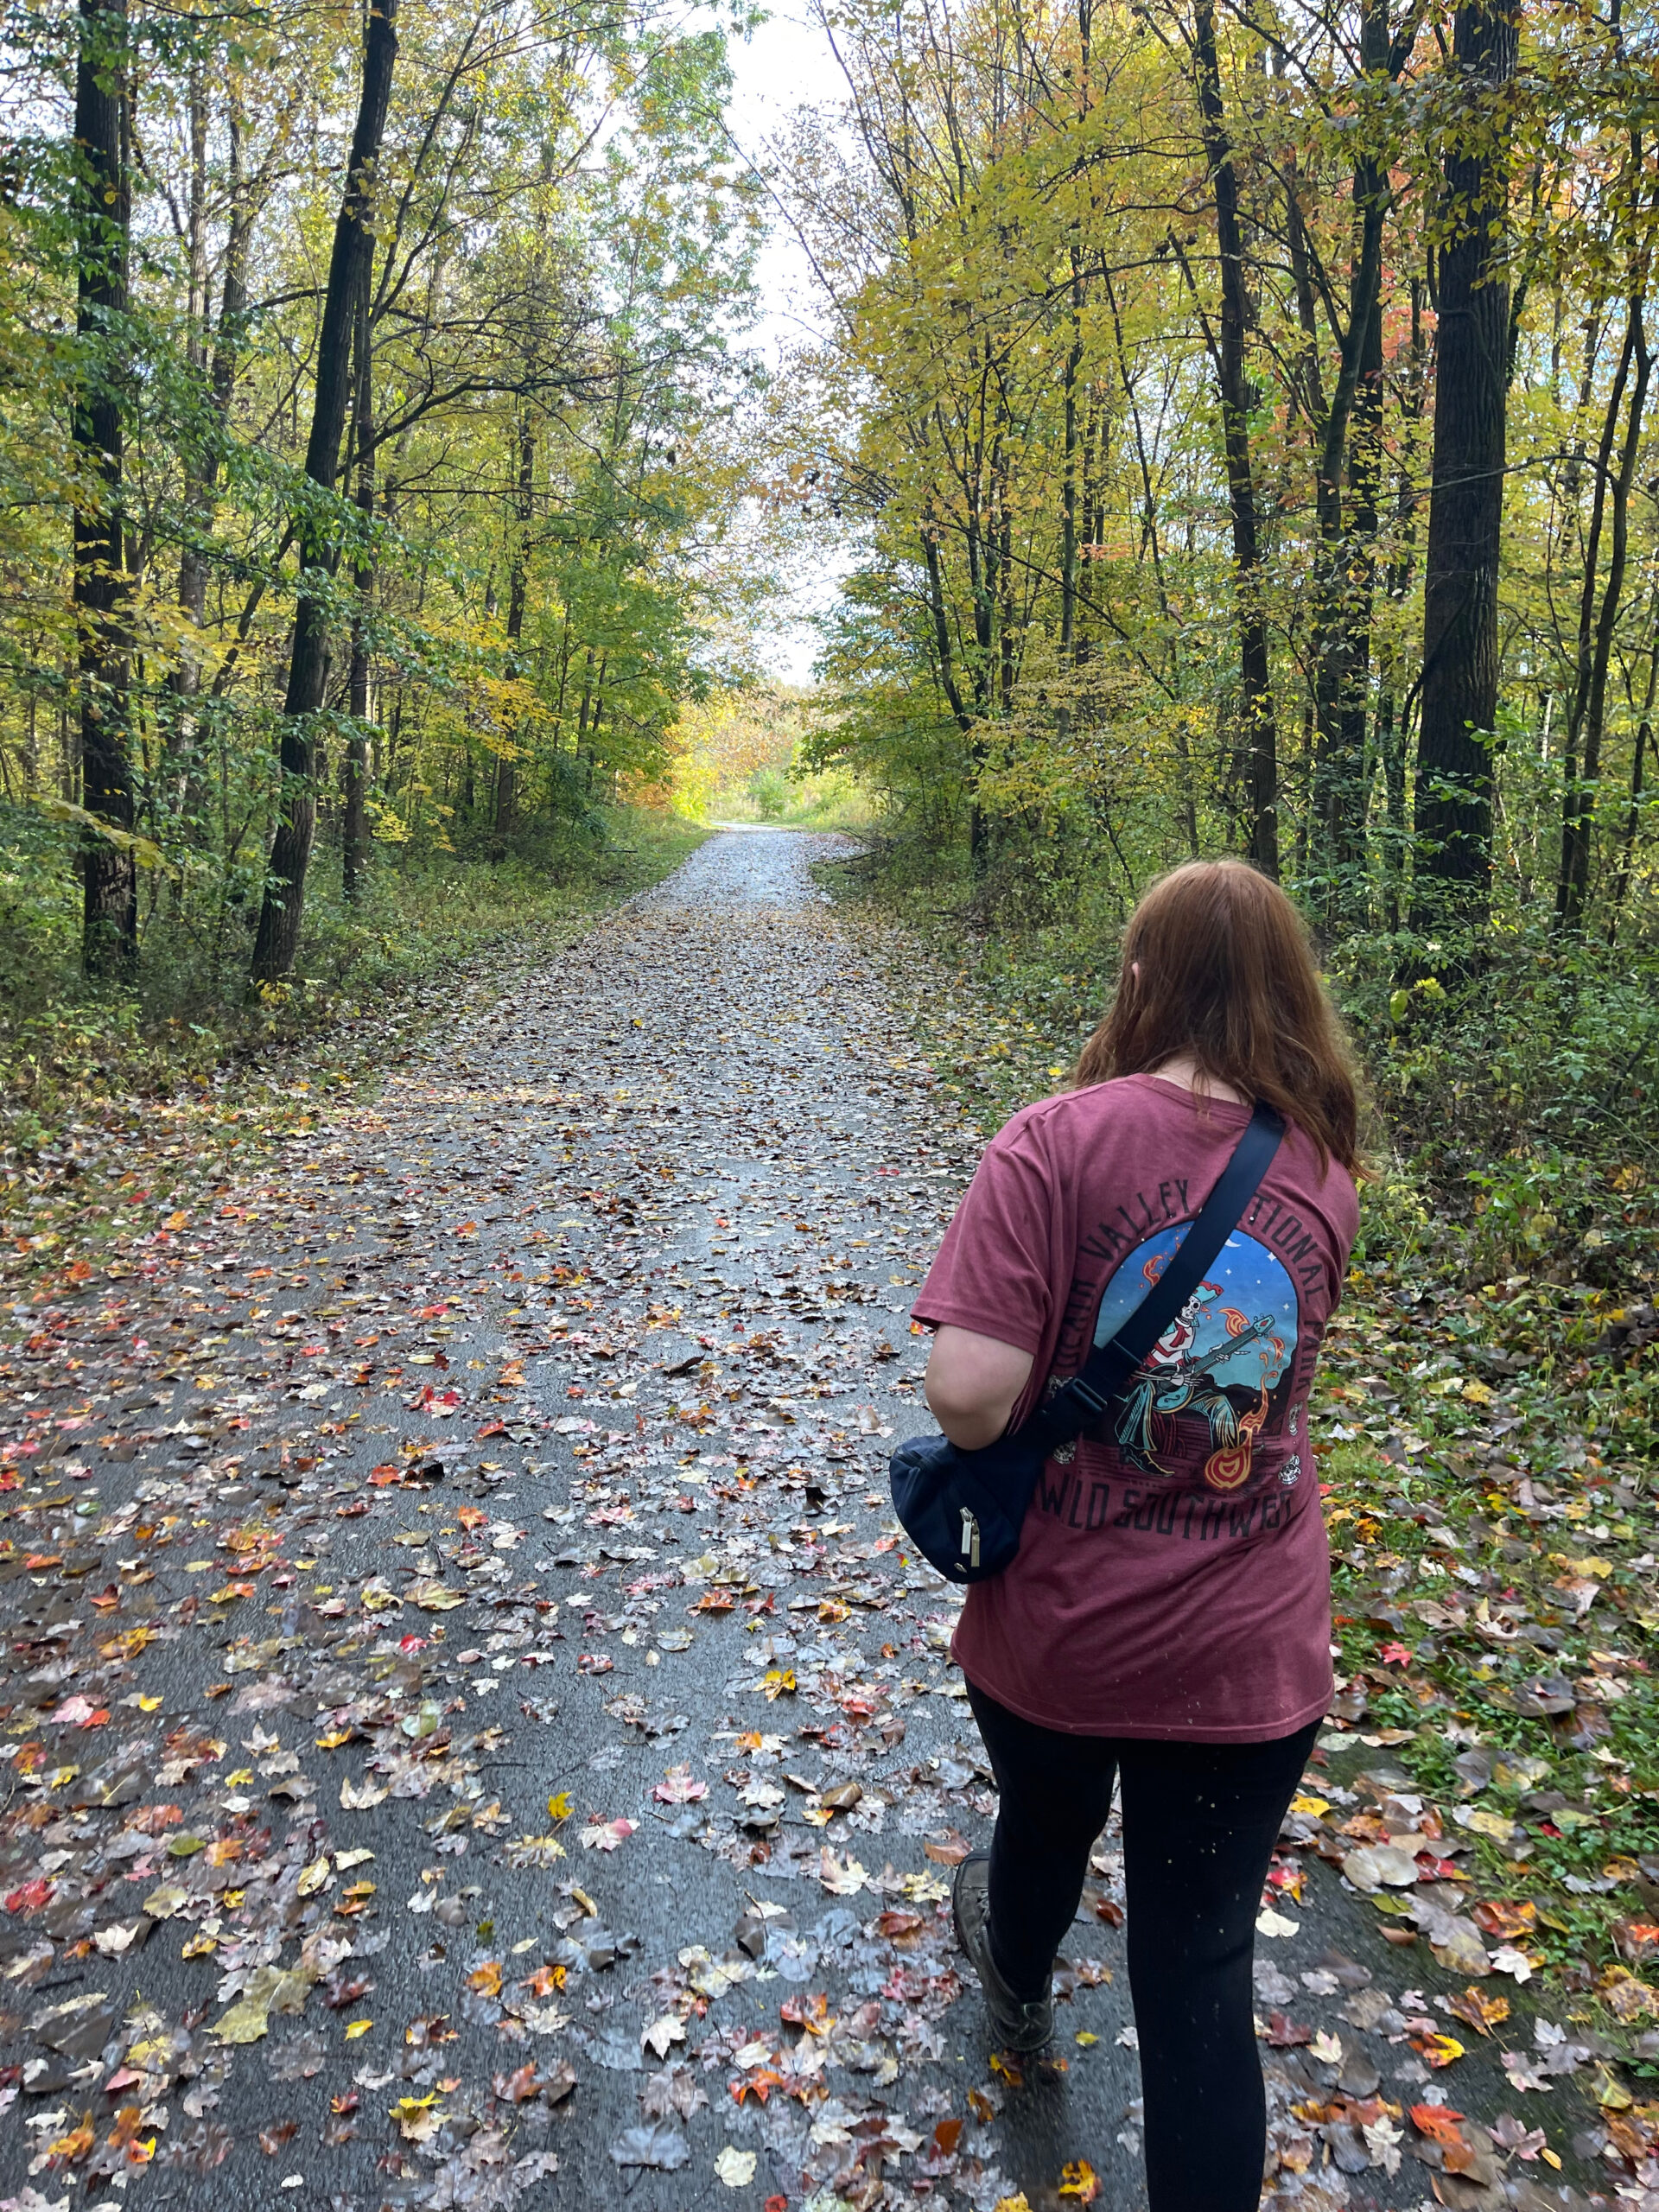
(1219, 1362)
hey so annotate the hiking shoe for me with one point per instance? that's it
(1020, 2026)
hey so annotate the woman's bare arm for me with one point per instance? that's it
(973, 1383)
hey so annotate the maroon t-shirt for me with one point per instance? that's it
(1173, 1577)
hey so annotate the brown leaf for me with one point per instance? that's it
(518, 2086)
(1480, 2012)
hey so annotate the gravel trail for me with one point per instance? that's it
(473, 1735)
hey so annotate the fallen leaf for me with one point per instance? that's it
(842, 1878)
(1478, 2011)
(1439, 2123)
(661, 2033)
(517, 2088)
(433, 1596)
(1516, 2137)
(1436, 2049)
(659, 2146)
(1504, 1917)
(607, 1835)
(418, 2118)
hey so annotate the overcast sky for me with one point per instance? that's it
(785, 64)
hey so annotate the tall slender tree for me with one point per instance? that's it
(103, 203)
(1458, 710)
(354, 768)
(350, 265)
(524, 511)
(1227, 341)
(1600, 604)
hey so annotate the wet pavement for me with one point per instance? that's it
(473, 1733)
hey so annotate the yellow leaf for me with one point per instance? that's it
(558, 1808)
(434, 1597)
(1497, 1824)
(1483, 2013)
(1611, 2095)
(145, 852)
(417, 2118)
(77, 2144)
(355, 2028)
(1438, 2050)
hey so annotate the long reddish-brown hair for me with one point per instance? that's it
(1217, 963)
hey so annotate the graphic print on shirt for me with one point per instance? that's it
(1219, 1373)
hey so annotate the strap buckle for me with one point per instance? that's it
(1077, 1392)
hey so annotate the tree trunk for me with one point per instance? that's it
(1633, 815)
(1587, 716)
(354, 769)
(102, 586)
(940, 618)
(1258, 728)
(218, 376)
(1074, 459)
(1352, 444)
(1069, 466)
(507, 780)
(200, 462)
(349, 268)
(1392, 730)
(1459, 709)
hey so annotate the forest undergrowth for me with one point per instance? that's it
(1488, 1432)
(110, 1100)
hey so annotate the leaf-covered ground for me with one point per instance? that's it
(472, 1734)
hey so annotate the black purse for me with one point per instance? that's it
(964, 1510)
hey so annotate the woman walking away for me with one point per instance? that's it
(1167, 1617)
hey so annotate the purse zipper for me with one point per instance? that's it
(969, 1538)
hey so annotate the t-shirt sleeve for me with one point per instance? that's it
(993, 1271)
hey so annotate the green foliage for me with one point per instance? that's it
(1034, 667)
(517, 560)
(65, 1046)
(769, 791)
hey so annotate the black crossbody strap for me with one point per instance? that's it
(1108, 1366)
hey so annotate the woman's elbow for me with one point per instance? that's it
(970, 1424)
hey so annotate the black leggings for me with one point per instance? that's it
(1199, 1824)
